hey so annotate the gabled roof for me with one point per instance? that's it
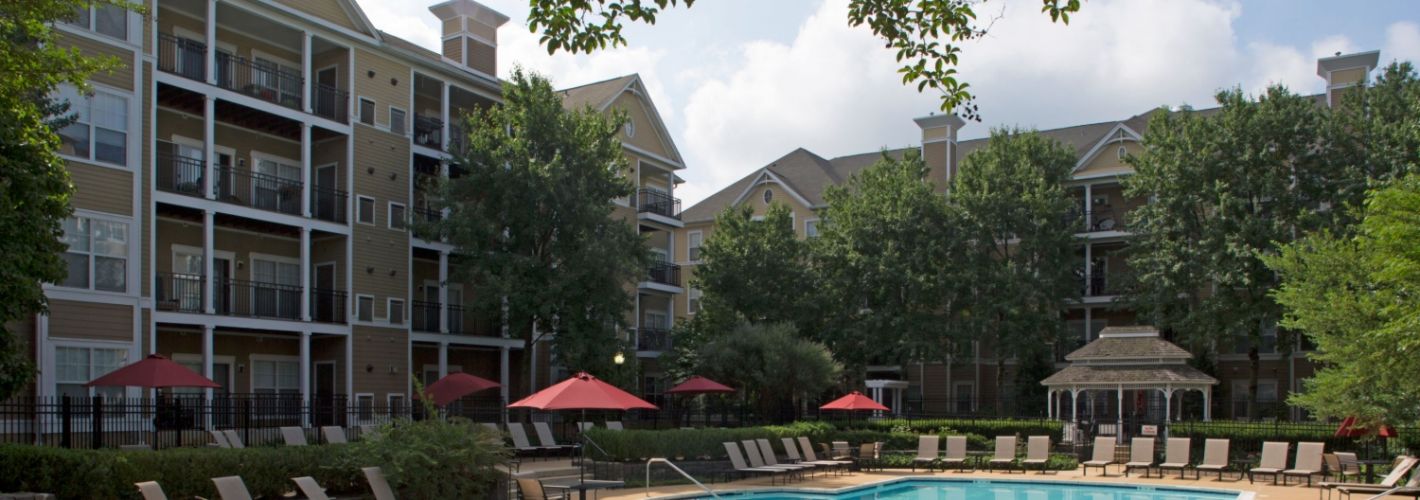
(352, 11)
(1128, 343)
(806, 174)
(1114, 376)
(600, 96)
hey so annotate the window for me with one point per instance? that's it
(97, 256)
(367, 111)
(397, 120)
(396, 311)
(365, 406)
(275, 376)
(630, 128)
(696, 239)
(1123, 152)
(76, 366)
(768, 195)
(365, 210)
(694, 301)
(396, 216)
(103, 18)
(276, 287)
(811, 228)
(364, 308)
(396, 404)
(100, 128)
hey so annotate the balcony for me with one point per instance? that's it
(183, 57)
(180, 174)
(1101, 220)
(657, 202)
(180, 292)
(1096, 284)
(425, 316)
(331, 102)
(259, 79)
(177, 292)
(664, 273)
(244, 187)
(328, 306)
(328, 204)
(428, 131)
(653, 339)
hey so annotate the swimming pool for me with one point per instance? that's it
(983, 489)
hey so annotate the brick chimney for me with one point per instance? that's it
(470, 33)
(939, 148)
(1342, 72)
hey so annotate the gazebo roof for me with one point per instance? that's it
(1125, 343)
(1116, 375)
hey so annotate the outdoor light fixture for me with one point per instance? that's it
(619, 358)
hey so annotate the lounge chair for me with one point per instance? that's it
(1307, 462)
(1399, 468)
(378, 485)
(520, 440)
(792, 452)
(868, 456)
(1176, 456)
(1102, 457)
(310, 488)
(615, 425)
(234, 439)
(770, 460)
(956, 453)
(1348, 466)
(367, 430)
(928, 452)
(151, 491)
(1141, 455)
(231, 488)
(841, 451)
(1005, 453)
(219, 439)
(1215, 457)
(584, 426)
(737, 462)
(809, 455)
(1411, 488)
(135, 447)
(1274, 461)
(757, 458)
(492, 426)
(293, 436)
(544, 435)
(531, 489)
(1037, 453)
(333, 434)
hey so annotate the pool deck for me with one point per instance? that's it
(1263, 490)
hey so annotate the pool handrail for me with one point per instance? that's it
(677, 469)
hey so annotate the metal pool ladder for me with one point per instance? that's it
(677, 469)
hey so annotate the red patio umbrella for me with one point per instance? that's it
(583, 392)
(854, 401)
(699, 385)
(456, 385)
(153, 372)
(1348, 428)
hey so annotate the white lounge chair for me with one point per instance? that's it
(520, 440)
(928, 452)
(1005, 455)
(1141, 455)
(219, 439)
(956, 453)
(1037, 453)
(544, 435)
(810, 456)
(841, 451)
(792, 452)
(737, 463)
(231, 488)
(1274, 461)
(151, 491)
(378, 485)
(1102, 457)
(1215, 457)
(585, 426)
(530, 488)
(1387, 486)
(234, 439)
(333, 434)
(1176, 456)
(310, 488)
(770, 460)
(1307, 462)
(615, 425)
(756, 458)
(293, 436)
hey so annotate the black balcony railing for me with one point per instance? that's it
(664, 273)
(328, 306)
(328, 204)
(657, 202)
(428, 131)
(182, 56)
(1098, 284)
(267, 192)
(260, 79)
(330, 102)
(427, 215)
(1100, 220)
(425, 316)
(257, 299)
(180, 292)
(180, 174)
(653, 339)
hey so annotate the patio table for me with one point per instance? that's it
(1370, 465)
(581, 486)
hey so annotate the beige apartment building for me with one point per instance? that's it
(245, 187)
(967, 384)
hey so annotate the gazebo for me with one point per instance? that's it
(1127, 358)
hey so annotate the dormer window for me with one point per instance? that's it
(768, 196)
(1123, 152)
(630, 128)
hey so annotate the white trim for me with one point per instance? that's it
(635, 85)
(1108, 138)
(374, 210)
(806, 227)
(280, 358)
(389, 120)
(767, 175)
(403, 308)
(355, 317)
(374, 111)
(469, 340)
(389, 216)
(689, 246)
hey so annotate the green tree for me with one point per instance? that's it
(925, 35)
(1225, 188)
(34, 183)
(534, 209)
(1020, 263)
(884, 263)
(770, 365)
(1354, 297)
(1377, 135)
(753, 270)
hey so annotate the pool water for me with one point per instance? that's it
(928, 489)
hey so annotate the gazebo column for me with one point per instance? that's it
(1075, 405)
(1168, 404)
(1119, 415)
(1050, 404)
(1207, 405)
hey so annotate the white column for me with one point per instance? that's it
(208, 282)
(1089, 270)
(307, 169)
(1119, 415)
(306, 72)
(306, 375)
(209, 145)
(1168, 404)
(305, 274)
(897, 401)
(1074, 405)
(350, 366)
(207, 357)
(444, 116)
(1050, 404)
(1089, 207)
(636, 335)
(443, 359)
(443, 298)
(1207, 405)
(211, 75)
(503, 373)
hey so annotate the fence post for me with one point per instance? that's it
(97, 403)
(246, 421)
(66, 421)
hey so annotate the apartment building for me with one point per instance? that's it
(968, 383)
(246, 185)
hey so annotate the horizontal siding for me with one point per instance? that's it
(453, 48)
(378, 349)
(482, 57)
(102, 189)
(329, 10)
(120, 76)
(646, 137)
(389, 86)
(146, 190)
(87, 320)
(378, 248)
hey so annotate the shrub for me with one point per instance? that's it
(434, 458)
(983, 427)
(635, 445)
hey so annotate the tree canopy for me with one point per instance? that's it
(34, 182)
(926, 36)
(770, 364)
(754, 270)
(533, 209)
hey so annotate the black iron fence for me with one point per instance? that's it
(428, 131)
(1105, 219)
(425, 315)
(665, 273)
(657, 202)
(653, 339)
(330, 102)
(180, 174)
(182, 56)
(328, 204)
(260, 79)
(328, 306)
(244, 187)
(177, 292)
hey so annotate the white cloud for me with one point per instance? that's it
(1402, 43)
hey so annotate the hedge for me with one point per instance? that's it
(682, 444)
(983, 427)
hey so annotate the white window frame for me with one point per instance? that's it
(374, 114)
(403, 311)
(275, 259)
(692, 301)
(355, 407)
(390, 218)
(389, 125)
(52, 350)
(128, 259)
(275, 358)
(389, 402)
(815, 232)
(87, 101)
(690, 245)
(282, 64)
(359, 296)
(91, 23)
(374, 210)
(189, 357)
(259, 156)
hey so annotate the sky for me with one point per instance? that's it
(740, 83)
